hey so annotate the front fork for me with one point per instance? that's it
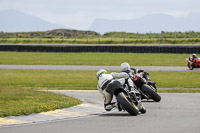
(134, 95)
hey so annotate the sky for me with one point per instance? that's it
(79, 14)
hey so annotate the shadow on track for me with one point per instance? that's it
(115, 114)
(148, 101)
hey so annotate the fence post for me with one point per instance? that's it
(6, 36)
(87, 36)
(175, 36)
(162, 35)
(40, 37)
(189, 34)
(16, 36)
(124, 36)
(75, 37)
(51, 38)
(63, 34)
(150, 35)
(28, 37)
(99, 38)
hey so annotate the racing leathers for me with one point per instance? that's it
(193, 59)
(103, 82)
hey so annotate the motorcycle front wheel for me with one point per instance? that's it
(131, 108)
(190, 66)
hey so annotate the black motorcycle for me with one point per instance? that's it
(127, 100)
(147, 89)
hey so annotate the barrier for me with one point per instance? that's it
(103, 48)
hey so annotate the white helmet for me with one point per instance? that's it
(125, 66)
(194, 55)
(100, 72)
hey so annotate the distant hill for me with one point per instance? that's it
(15, 21)
(70, 33)
(154, 23)
(54, 32)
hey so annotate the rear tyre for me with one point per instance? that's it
(151, 93)
(128, 106)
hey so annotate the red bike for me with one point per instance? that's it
(191, 65)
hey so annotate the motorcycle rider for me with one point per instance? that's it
(103, 80)
(192, 59)
(125, 67)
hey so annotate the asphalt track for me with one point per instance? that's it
(176, 113)
(83, 67)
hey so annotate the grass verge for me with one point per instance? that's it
(15, 101)
(189, 90)
(107, 59)
(86, 80)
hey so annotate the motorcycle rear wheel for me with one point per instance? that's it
(126, 104)
(150, 92)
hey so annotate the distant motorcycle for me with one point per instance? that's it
(147, 89)
(127, 100)
(196, 63)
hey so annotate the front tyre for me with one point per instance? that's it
(128, 106)
(190, 66)
(143, 110)
(151, 93)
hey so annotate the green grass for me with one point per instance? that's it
(15, 101)
(48, 78)
(173, 79)
(135, 59)
(86, 80)
(102, 40)
(190, 90)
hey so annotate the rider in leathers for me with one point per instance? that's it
(125, 67)
(192, 59)
(103, 80)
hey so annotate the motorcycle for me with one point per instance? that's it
(191, 65)
(127, 100)
(146, 88)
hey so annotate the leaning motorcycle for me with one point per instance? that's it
(147, 89)
(196, 63)
(125, 100)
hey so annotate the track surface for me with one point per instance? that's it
(176, 113)
(81, 67)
